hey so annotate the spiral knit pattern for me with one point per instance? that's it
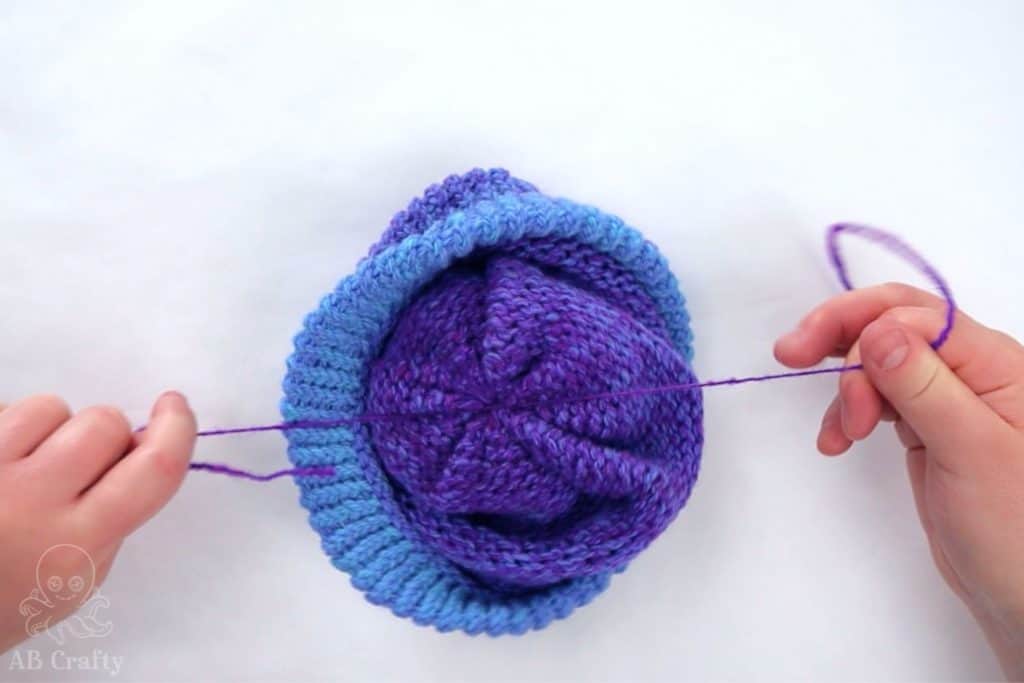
(500, 499)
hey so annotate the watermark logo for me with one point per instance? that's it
(65, 580)
(66, 606)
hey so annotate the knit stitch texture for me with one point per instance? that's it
(499, 505)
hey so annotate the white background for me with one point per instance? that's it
(181, 183)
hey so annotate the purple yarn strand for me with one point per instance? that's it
(218, 468)
(879, 237)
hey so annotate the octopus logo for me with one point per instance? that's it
(58, 589)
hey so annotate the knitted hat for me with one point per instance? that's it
(492, 495)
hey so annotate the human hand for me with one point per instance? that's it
(71, 489)
(959, 411)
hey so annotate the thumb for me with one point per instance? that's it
(951, 420)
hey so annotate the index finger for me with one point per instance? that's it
(833, 327)
(142, 482)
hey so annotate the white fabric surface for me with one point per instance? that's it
(181, 182)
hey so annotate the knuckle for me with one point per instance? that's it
(900, 292)
(51, 405)
(891, 315)
(816, 317)
(107, 418)
(902, 315)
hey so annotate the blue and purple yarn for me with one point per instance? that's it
(484, 306)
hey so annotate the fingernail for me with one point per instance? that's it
(890, 350)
